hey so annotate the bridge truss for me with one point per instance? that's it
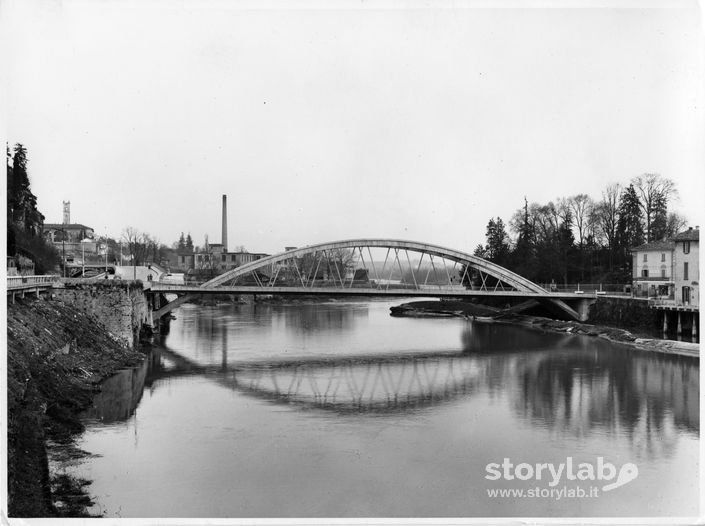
(375, 267)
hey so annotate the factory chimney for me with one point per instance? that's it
(224, 239)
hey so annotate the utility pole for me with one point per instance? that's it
(63, 252)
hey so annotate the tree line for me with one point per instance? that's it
(580, 239)
(24, 221)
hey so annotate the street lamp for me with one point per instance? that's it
(83, 255)
(107, 249)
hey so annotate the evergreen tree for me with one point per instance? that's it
(524, 254)
(659, 223)
(21, 202)
(189, 242)
(182, 242)
(480, 251)
(630, 232)
(24, 220)
(497, 248)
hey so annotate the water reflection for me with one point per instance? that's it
(645, 397)
(493, 337)
(309, 318)
(120, 394)
(364, 385)
(205, 331)
(579, 386)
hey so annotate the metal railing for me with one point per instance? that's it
(612, 289)
(30, 282)
(661, 301)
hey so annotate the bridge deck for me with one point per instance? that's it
(442, 292)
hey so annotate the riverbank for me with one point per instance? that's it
(57, 355)
(484, 313)
(444, 308)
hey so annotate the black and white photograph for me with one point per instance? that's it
(352, 261)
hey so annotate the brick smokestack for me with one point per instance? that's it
(224, 239)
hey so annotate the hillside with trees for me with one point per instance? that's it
(24, 220)
(580, 239)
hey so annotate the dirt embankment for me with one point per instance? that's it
(56, 357)
(491, 314)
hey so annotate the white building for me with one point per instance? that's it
(652, 270)
(687, 267)
(669, 270)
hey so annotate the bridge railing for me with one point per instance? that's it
(25, 282)
(612, 289)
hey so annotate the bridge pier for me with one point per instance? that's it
(583, 308)
(158, 316)
(679, 327)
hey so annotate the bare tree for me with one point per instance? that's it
(581, 207)
(547, 221)
(563, 210)
(607, 212)
(675, 223)
(654, 194)
(136, 246)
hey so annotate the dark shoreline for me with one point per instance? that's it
(53, 373)
(486, 314)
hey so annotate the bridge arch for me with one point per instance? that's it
(515, 280)
(484, 267)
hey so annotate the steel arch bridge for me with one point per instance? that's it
(349, 267)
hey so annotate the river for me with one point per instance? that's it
(336, 409)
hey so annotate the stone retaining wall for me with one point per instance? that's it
(122, 309)
(626, 313)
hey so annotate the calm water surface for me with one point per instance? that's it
(337, 409)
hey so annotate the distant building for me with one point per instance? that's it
(184, 260)
(668, 270)
(231, 260)
(687, 267)
(214, 260)
(68, 237)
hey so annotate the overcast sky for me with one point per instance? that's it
(325, 124)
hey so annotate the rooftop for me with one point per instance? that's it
(692, 234)
(665, 244)
(69, 226)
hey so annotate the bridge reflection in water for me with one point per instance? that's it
(569, 384)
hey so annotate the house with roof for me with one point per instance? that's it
(668, 270)
(686, 267)
(652, 270)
